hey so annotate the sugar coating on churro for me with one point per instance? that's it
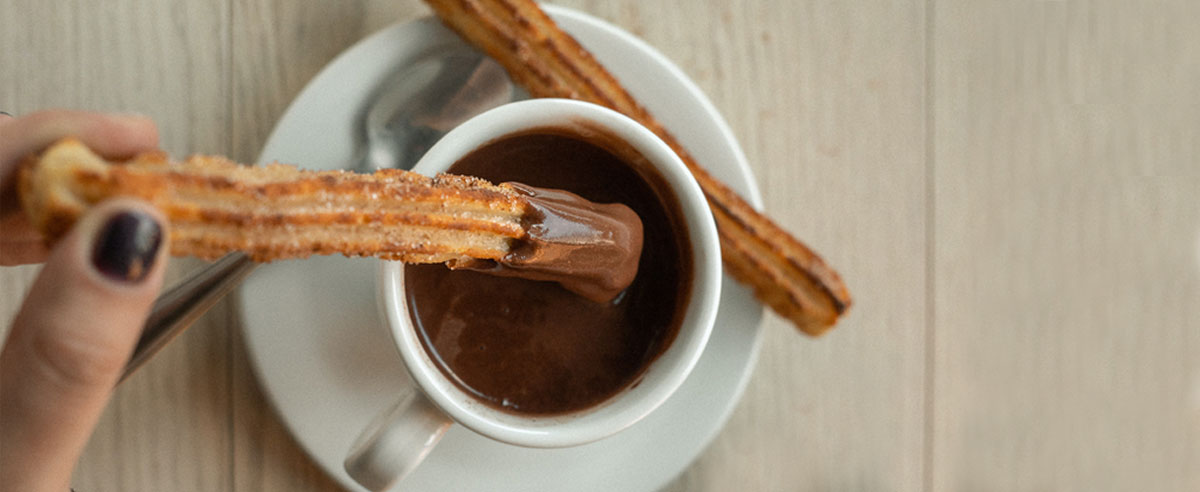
(278, 211)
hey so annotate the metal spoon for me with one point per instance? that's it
(443, 86)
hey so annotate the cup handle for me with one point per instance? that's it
(396, 441)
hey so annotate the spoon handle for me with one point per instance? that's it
(179, 307)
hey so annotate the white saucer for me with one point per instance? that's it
(326, 363)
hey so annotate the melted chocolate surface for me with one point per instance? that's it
(533, 347)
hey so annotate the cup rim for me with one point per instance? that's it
(661, 379)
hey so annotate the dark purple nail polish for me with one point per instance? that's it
(126, 246)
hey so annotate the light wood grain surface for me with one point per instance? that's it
(1009, 188)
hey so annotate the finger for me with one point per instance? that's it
(20, 244)
(72, 338)
(111, 135)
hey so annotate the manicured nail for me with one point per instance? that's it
(126, 246)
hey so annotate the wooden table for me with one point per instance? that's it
(1009, 188)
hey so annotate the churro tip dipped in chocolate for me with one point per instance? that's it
(592, 249)
(278, 211)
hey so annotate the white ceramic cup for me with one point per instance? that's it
(396, 441)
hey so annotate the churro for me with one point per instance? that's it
(783, 272)
(278, 211)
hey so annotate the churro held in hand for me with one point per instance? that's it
(278, 211)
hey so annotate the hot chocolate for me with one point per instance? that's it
(533, 347)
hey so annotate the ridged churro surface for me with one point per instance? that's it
(278, 211)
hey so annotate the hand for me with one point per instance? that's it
(76, 329)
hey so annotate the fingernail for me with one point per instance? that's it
(126, 246)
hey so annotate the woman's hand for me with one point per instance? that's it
(77, 327)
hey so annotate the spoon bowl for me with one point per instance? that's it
(416, 105)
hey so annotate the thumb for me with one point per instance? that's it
(71, 339)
